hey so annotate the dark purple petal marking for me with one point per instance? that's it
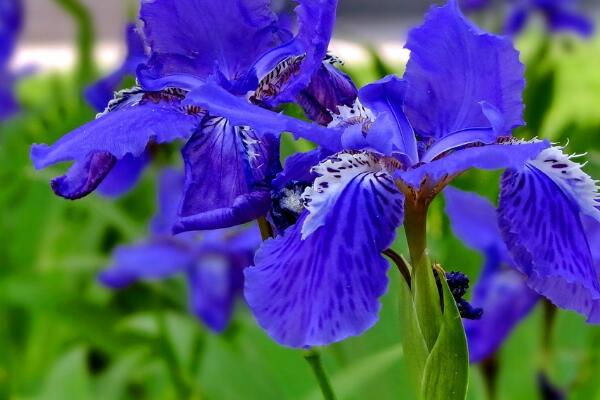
(454, 67)
(326, 287)
(84, 176)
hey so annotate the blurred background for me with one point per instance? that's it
(63, 336)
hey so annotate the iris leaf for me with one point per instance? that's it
(446, 373)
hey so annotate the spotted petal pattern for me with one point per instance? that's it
(326, 287)
(542, 227)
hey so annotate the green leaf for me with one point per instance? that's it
(415, 349)
(427, 301)
(68, 378)
(446, 373)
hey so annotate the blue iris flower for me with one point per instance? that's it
(402, 141)
(212, 262)
(11, 15)
(239, 46)
(559, 15)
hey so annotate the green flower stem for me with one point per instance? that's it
(489, 370)
(313, 357)
(181, 383)
(424, 288)
(266, 231)
(85, 38)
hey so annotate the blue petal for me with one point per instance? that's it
(170, 190)
(474, 221)
(101, 92)
(454, 67)
(543, 229)
(193, 37)
(124, 175)
(214, 283)
(11, 21)
(8, 102)
(564, 18)
(490, 157)
(228, 170)
(241, 113)
(316, 19)
(154, 259)
(506, 299)
(516, 20)
(501, 291)
(126, 130)
(328, 89)
(391, 131)
(298, 167)
(326, 287)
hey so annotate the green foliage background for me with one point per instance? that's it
(63, 336)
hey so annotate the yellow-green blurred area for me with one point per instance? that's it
(63, 336)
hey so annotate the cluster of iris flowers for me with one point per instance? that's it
(214, 75)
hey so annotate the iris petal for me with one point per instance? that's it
(239, 112)
(501, 291)
(192, 37)
(214, 282)
(495, 156)
(454, 67)
(506, 299)
(391, 132)
(228, 171)
(124, 131)
(543, 229)
(326, 287)
(154, 259)
(124, 175)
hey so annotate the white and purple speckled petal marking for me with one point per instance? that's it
(335, 175)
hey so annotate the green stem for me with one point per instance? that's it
(489, 370)
(182, 387)
(85, 38)
(266, 231)
(313, 357)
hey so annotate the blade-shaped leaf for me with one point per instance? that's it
(446, 373)
(415, 349)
